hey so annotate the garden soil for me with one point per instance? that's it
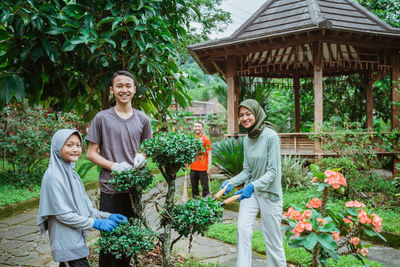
(22, 245)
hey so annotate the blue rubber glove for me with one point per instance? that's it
(246, 191)
(119, 218)
(228, 189)
(104, 225)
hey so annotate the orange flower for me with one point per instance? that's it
(321, 221)
(289, 212)
(355, 204)
(377, 222)
(301, 226)
(363, 217)
(314, 203)
(335, 236)
(363, 251)
(294, 215)
(349, 221)
(307, 214)
(355, 241)
(335, 179)
(314, 180)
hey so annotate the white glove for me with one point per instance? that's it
(119, 167)
(139, 161)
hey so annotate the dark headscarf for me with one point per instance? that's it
(62, 190)
(259, 114)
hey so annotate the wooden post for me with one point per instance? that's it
(318, 96)
(369, 82)
(296, 86)
(233, 96)
(395, 118)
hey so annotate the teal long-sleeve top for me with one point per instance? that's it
(262, 165)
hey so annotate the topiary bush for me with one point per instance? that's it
(127, 240)
(195, 217)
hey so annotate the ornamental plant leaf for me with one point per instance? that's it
(327, 241)
(139, 179)
(311, 241)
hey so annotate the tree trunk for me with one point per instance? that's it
(169, 205)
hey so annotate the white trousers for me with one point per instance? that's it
(271, 212)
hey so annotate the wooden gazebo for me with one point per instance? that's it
(305, 38)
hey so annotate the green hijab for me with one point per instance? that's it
(259, 114)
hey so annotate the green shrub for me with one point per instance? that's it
(228, 156)
(294, 172)
(127, 240)
(195, 217)
(139, 179)
(25, 138)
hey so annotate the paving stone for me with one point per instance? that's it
(19, 231)
(10, 245)
(18, 219)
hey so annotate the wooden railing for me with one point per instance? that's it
(301, 144)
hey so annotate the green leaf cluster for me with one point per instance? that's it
(127, 240)
(196, 216)
(228, 156)
(139, 179)
(172, 151)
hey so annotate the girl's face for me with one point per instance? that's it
(246, 118)
(72, 148)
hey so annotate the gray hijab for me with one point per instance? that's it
(62, 190)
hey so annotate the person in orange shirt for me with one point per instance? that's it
(200, 169)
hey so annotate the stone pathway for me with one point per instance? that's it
(22, 245)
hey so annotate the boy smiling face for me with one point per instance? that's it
(72, 148)
(123, 88)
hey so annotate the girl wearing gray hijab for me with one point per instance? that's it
(262, 191)
(65, 210)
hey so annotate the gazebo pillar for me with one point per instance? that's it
(395, 119)
(318, 96)
(296, 86)
(232, 96)
(369, 82)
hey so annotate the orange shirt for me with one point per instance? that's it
(201, 163)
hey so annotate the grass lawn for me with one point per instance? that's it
(227, 233)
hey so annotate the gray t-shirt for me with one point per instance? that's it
(119, 139)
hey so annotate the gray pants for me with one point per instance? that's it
(271, 212)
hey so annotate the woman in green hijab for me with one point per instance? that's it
(262, 191)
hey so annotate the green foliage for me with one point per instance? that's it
(228, 156)
(139, 179)
(294, 172)
(127, 240)
(349, 139)
(196, 216)
(172, 151)
(25, 138)
(387, 10)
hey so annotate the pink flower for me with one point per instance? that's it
(289, 212)
(314, 203)
(349, 221)
(321, 221)
(363, 251)
(335, 236)
(363, 217)
(335, 179)
(377, 222)
(355, 204)
(307, 214)
(301, 226)
(294, 215)
(355, 241)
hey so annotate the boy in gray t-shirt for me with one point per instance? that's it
(115, 136)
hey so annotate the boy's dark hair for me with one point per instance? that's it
(200, 122)
(124, 73)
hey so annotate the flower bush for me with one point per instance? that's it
(25, 138)
(322, 231)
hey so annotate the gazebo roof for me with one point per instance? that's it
(285, 17)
